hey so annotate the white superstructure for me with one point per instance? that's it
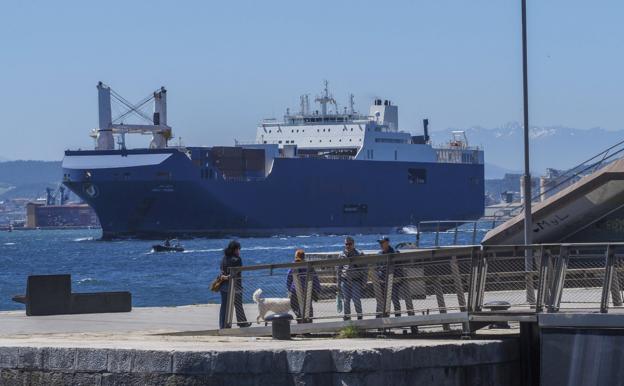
(330, 133)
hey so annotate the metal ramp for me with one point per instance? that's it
(567, 215)
(333, 327)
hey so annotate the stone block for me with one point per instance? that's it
(393, 359)
(91, 360)
(152, 362)
(10, 377)
(119, 361)
(346, 361)
(262, 362)
(229, 362)
(30, 358)
(8, 357)
(194, 363)
(59, 359)
(310, 361)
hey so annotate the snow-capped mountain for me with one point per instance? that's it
(551, 147)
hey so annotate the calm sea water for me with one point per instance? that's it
(154, 279)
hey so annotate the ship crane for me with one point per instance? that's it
(156, 125)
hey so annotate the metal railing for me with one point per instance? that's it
(574, 174)
(436, 282)
(454, 232)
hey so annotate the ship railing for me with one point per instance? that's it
(467, 155)
(328, 156)
(454, 232)
(244, 179)
(441, 287)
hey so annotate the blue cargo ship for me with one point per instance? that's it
(316, 171)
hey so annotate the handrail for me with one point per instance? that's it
(458, 223)
(568, 275)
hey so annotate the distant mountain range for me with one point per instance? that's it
(551, 147)
(28, 178)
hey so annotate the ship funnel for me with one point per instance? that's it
(426, 129)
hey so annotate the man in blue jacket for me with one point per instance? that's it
(351, 279)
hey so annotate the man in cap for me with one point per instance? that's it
(400, 288)
(351, 280)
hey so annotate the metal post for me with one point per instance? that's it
(387, 301)
(558, 282)
(474, 280)
(439, 293)
(418, 235)
(527, 172)
(608, 280)
(459, 286)
(542, 279)
(474, 233)
(437, 237)
(482, 280)
(307, 308)
(616, 294)
(528, 276)
(455, 235)
(229, 314)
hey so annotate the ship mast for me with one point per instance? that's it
(325, 99)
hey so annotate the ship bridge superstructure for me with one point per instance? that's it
(329, 132)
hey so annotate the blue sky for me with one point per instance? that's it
(229, 64)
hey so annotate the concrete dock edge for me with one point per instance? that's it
(468, 363)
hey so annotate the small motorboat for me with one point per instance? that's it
(167, 246)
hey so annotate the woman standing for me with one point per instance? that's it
(296, 284)
(232, 258)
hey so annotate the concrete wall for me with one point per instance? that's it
(580, 356)
(468, 363)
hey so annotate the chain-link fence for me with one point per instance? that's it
(535, 278)
(356, 288)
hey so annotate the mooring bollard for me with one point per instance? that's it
(498, 305)
(280, 325)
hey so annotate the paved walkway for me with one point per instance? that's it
(141, 319)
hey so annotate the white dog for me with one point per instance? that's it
(275, 305)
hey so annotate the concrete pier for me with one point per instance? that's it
(135, 348)
(259, 362)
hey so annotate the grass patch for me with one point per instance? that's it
(349, 332)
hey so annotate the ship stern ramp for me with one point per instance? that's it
(583, 212)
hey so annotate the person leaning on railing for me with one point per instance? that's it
(351, 279)
(232, 258)
(296, 284)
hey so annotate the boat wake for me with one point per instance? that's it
(80, 239)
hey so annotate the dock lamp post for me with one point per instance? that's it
(528, 254)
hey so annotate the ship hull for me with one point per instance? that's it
(172, 197)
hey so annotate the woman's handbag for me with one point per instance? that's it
(216, 283)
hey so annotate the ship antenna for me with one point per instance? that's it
(325, 99)
(351, 104)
